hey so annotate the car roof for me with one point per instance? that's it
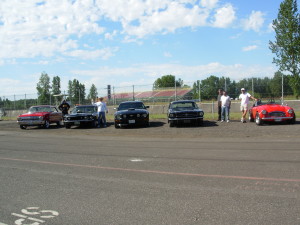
(85, 106)
(132, 102)
(182, 101)
(42, 106)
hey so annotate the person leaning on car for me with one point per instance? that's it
(245, 97)
(64, 107)
(220, 93)
(101, 111)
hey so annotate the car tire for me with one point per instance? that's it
(171, 124)
(251, 119)
(258, 120)
(199, 122)
(23, 127)
(68, 126)
(46, 124)
(116, 126)
(293, 121)
(59, 124)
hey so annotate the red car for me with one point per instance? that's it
(271, 111)
(41, 115)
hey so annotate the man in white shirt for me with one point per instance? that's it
(101, 111)
(225, 103)
(245, 97)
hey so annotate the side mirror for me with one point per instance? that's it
(147, 107)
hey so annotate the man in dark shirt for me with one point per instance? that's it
(220, 93)
(64, 107)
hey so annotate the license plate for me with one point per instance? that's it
(131, 121)
(186, 121)
(76, 123)
(278, 120)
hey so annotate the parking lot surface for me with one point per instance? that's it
(219, 173)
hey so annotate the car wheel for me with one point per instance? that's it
(293, 121)
(94, 124)
(23, 127)
(68, 126)
(59, 124)
(258, 120)
(171, 124)
(199, 122)
(116, 126)
(251, 119)
(46, 124)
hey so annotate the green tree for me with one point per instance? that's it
(43, 88)
(56, 87)
(93, 93)
(287, 42)
(167, 81)
(76, 92)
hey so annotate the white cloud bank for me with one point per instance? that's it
(34, 28)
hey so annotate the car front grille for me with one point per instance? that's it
(186, 115)
(277, 114)
(29, 118)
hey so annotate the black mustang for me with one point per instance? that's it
(184, 112)
(131, 113)
(82, 115)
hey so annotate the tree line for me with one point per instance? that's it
(76, 91)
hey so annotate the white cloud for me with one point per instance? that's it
(209, 3)
(86, 54)
(224, 16)
(254, 22)
(167, 54)
(250, 48)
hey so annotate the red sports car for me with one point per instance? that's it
(41, 115)
(271, 111)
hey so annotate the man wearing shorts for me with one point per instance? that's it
(245, 97)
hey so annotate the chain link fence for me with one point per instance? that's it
(113, 95)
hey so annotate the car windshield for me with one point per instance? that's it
(87, 109)
(40, 109)
(131, 105)
(268, 101)
(184, 105)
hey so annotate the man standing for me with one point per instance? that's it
(220, 93)
(64, 107)
(225, 102)
(245, 97)
(102, 109)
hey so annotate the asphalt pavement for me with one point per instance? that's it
(216, 174)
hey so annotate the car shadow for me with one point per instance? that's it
(206, 123)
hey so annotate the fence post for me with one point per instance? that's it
(133, 92)
(212, 110)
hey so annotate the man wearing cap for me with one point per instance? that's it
(245, 97)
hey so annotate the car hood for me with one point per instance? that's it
(274, 107)
(34, 114)
(131, 111)
(79, 114)
(186, 110)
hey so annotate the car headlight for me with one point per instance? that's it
(201, 113)
(85, 117)
(138, 115)
(171, 115)
(264, 112)
(145, 115)
(290, 111)
(124, 116)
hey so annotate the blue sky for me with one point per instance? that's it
(133, 42)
